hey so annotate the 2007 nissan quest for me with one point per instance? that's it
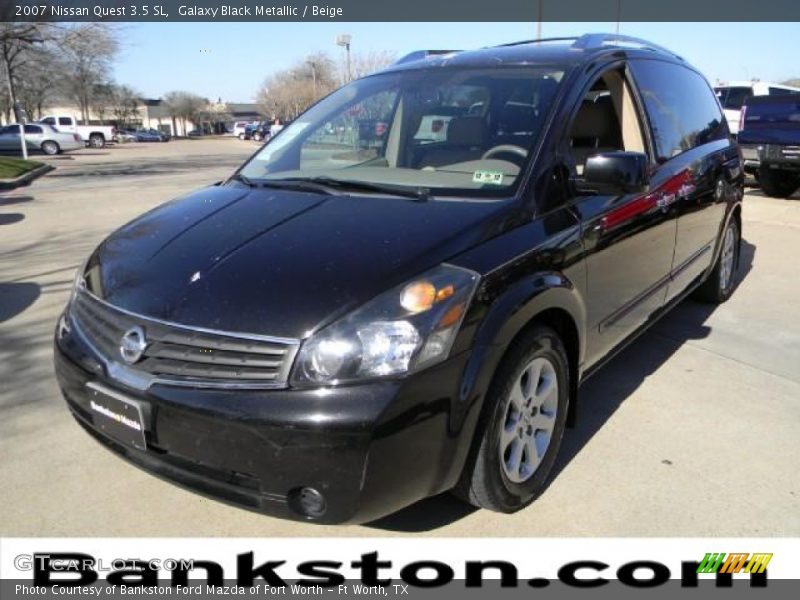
(401, 292)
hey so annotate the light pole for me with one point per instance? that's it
(344, 40)
(313, 66)
(539, 22)
(22, 118)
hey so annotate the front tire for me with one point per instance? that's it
(776, 183)
(721, 282)
(522, 425)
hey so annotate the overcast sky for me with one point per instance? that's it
(230, 60)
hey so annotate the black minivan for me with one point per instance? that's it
(342, 328)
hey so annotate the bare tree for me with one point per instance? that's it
(124, 104)
(184, 106)
(16, 40)
(39, 78)
(102, 101)
(288, 93)
(364, 63)
(88, 51)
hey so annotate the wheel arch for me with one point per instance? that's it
(544, 298)
(549, 299)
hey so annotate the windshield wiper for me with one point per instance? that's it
(243, 179)
(300, 185)
(419, 194)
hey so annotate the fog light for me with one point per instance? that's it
(308, 502)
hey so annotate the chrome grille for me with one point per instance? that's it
(791, 151)
(185, 355)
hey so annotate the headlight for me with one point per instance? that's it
(403, 330)
(78, 281)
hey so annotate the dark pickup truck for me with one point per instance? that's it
(770, 141)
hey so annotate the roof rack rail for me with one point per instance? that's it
(539, 40)
(423, 54)
(598, 40)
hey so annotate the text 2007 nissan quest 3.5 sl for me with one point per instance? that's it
(402, 291)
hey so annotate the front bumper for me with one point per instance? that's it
(780, 156)
(369, 450)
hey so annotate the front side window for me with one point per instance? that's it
(607, 120)
(449, 131)
(681, 106)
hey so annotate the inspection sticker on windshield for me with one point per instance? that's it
(490, 177)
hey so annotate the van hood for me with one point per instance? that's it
(278, 262)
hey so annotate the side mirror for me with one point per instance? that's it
(615, 173)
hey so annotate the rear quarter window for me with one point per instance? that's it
(681, 107)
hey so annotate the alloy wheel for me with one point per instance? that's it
(530, 416)
(727, 259)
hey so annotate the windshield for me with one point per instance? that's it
(447, 131)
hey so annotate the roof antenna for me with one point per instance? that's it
(619, 13)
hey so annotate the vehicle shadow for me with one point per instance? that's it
(11, 218)
(598, 401)
(15, 298)
(756, 191)
(9, 200)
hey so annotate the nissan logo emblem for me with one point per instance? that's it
(133, 345)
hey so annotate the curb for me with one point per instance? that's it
(25, 178)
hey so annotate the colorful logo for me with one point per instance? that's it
(734, 563)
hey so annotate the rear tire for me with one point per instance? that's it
(776, 183)
(721, 282)
(50, 148)
(521, 427)
(97, 141)
(242, 137)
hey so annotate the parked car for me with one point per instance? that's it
(196, 133)
(261, 132)
(125, 136)
(734, 94)
(39, 137)
(328, 338)
(151, 135)
(246, 132)
(770, 141)
(239, 127)
(95, 136)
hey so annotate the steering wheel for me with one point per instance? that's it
(505, 148)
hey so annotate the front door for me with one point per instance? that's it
(629, 240)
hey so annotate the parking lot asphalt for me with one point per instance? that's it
(693, 430)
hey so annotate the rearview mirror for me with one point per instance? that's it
(615, 173)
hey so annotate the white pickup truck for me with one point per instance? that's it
(95, 136)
